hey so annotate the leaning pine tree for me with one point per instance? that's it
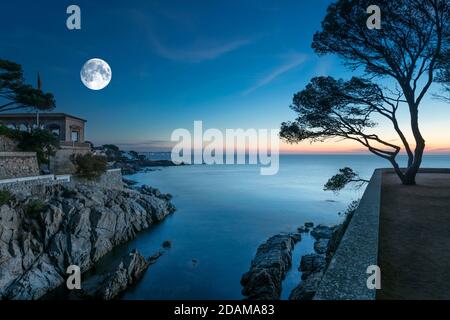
(400, 62)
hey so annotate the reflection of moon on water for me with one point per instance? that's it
(96, 74)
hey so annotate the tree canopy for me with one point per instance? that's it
(43, 142)
(15, 94)
(344, 177)
(409, 51)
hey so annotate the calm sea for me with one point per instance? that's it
(224, 212)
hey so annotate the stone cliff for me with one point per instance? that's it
(41, 234)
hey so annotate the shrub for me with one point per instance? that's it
(10, 133)
(112, 152)
(5, 196)
(43, 142)
(35, 207)
(68, 193)
(338, 234)
(90, 166)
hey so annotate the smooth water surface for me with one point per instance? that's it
(225, 211)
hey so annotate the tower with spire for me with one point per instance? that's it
(39, 87)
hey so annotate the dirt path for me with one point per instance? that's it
(414, 252)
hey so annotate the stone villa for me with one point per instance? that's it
(69, 129)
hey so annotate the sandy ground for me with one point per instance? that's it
(414, 251)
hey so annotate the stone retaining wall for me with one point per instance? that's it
(18, 164)
(29, 184)
(111, 179)
(61, 163)
(7, 144)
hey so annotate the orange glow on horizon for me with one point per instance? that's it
(347, 147)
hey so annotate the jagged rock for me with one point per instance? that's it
(129, 182)
(268, 268)
(322, 232)
(302, 229)
(167, 244)
(33, 284)
(155, 257)
(307, 288)
(76, 225)
(314, 265)
(309, 224)
(128, 272)
(321, 246)
(155, 192)
(109, 285)
(311, 263)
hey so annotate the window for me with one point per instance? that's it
(75, 136)
(55, 131)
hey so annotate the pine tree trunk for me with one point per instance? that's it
(409, 177)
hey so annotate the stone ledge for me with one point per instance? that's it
(17, 154)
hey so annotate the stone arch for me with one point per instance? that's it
(23, 127)
(75, 133)
(55, 129)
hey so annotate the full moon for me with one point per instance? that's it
(96, 74)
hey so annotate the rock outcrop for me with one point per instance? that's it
(321, 246)
(314, 265)
(322, 232)
(268, 268)
(307, 288)
(42, 234)
(128, 272)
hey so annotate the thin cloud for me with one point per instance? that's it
(200, 48)
(439, 150)
(196, 54)
(277, 72)
(323, 67)
(152, 145)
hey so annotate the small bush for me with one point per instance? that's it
(5, 196)
(338, 234)
(68, 193)
(43, 142)
(35, 207)
(90, 166)
(10, 133)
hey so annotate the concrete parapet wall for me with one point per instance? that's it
(27, 184)
(111, 179)
(346, 277)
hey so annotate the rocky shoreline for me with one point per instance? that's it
(313, 265)
(110, 285)
(274, 258)
(134, 166)
(268, 269)
(45, 231)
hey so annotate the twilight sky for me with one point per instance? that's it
(231, 64)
